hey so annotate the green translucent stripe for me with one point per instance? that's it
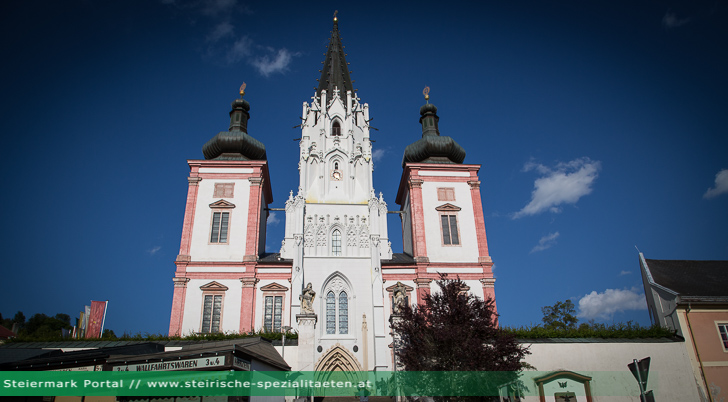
(321, 383)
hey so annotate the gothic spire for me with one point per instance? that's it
(335, 71)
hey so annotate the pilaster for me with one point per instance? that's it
(423, 288)
(178, 305)
(254, 212)
(247, 304)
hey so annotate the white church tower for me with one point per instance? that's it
(336, 244)
(336, 226)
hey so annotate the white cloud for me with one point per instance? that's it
(546, 242)
(670, 20)
(221, 30)
(565, 183)
(239, 50)
(273, 219)
(216, 7)
(154, 250)
(721, 185)
(623, 273)
(604, 305)
(378, 154)
(275, 62)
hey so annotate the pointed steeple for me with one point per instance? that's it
(335, 71)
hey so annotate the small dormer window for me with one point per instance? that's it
(336, 128)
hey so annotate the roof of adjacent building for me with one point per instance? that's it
(691, 279)
(6, 333)
(24, 355)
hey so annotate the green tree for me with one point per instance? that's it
(560, 316)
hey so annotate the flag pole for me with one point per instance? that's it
(103, 320)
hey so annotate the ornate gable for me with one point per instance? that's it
(212, 286)
(222, 204)
(448, 208)
(274, 287)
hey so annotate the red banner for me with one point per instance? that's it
(96, 319)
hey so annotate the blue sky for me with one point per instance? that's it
(600, 126)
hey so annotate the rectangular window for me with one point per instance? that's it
(723, 330)
(211, 313)
(219, 232)
(446, 194)
(273, 313)
(224, 190)
(450, 230)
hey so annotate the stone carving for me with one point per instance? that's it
(306, 298)
(400, 298)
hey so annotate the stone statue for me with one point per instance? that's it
(400, 298)
(306, 299)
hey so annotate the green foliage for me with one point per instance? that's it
(147, 337)
(560, 316)
(628, 330)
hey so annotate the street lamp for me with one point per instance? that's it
(284, 329)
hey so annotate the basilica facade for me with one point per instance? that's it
(334, 279)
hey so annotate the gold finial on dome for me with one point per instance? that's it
(335, 12)
(426, 92)
(242, 90)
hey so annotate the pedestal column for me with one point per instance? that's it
(306, 341)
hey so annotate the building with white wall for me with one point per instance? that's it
(336, 236)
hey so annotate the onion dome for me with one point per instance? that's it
(235, 144)
(433, 147)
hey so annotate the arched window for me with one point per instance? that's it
(343, 313)
(336, 165)
(336, 128)
(336, 242)
(330, 313)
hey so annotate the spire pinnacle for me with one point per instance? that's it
(242, 90)
(426, 92)
(335, 71)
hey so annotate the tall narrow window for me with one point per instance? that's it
(273, 313)
(219, 231)
(343, 313)
(330, 313)
(336, 128)
(211, 314)
(450, 229)
(723, 330)
(336, 242)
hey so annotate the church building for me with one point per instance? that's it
(334, 279)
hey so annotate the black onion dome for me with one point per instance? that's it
(432, 147)
(235, 144)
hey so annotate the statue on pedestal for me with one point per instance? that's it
(399, 299)
(306, 298)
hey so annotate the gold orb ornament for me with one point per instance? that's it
(242, 90)
(426, 92)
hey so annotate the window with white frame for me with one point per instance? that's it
(449, 224)
(336, 242)
(723, 331)
(450, 229)
(337, 313)
(273, 313)
(219, 230)
(213, 295)
(273, 298)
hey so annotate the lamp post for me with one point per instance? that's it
(284, 329)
